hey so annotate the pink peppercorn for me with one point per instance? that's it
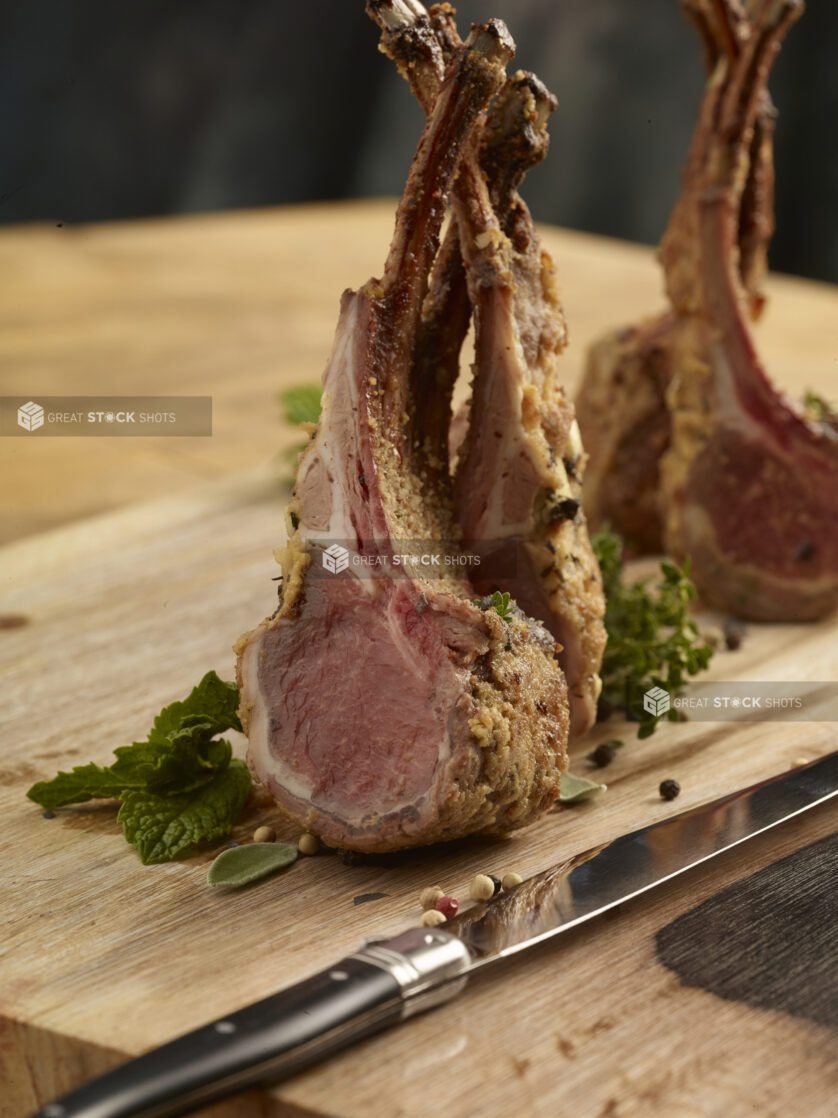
(448, 906)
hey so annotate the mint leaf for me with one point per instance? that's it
(189, 757)
(158, 767)
(161, 828)
(85, 782)
(179, 754)
(214, 700)
(180, 787)
(244, 864)
(139, 766)
(575, 788)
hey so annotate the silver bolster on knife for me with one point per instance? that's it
(381, 984)
(429, 964)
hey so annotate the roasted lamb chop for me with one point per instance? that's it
(622, 402)
(691, 445)
(520, 460)
(384, 711)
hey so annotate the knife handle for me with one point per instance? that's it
(272, 1039)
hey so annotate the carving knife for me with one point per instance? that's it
(386, 981)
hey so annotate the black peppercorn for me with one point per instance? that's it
(48, 814)
(669, 789)
(603, 755)
(733, 636)
(565, 509)
(806, 550)
(496, 882)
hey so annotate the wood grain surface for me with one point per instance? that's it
(123, 611)
(240, 305)
(755, 941)
(102, 956)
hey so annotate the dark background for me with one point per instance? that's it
(126, 108)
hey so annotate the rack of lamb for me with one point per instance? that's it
(692, 448)
(388, 704)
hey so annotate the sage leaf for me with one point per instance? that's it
(575, 788)
(242, 864)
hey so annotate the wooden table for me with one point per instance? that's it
(241, 305)
(144, 559)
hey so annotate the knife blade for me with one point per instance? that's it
(386, 981)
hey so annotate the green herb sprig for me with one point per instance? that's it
(300, 404)
(819, 408)
(499, 601)
(652, 638)
(180, 788)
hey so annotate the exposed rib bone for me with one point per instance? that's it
(420, 215)
(508, 491)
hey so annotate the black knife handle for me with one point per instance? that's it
(271, 1039)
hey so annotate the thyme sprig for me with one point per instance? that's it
(652, 639)
(819, 408)
(499, 601)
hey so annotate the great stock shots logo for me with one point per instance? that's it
(656, 701)
(112, 416)
(409, 559)
(30, 416)
(336, 559)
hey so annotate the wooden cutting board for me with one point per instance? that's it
(103, 957)
(714, 996)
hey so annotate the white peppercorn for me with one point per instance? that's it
(308, 843)
(482, 888)
(428, 897)
(432, 918)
